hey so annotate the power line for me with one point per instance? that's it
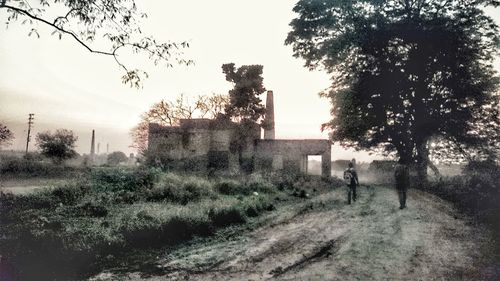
(30, 122)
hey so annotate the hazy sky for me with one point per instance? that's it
(68, 87)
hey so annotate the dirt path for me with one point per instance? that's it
(369, 240)
(25, 186)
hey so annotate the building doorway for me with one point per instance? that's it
(313, 166)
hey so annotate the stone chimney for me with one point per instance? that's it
(269, 130)
(92, 147)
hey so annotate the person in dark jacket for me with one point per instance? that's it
(352, 181)
(402, 177)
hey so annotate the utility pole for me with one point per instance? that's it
(30, 122)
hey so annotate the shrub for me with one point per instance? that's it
(93, 209)
(476, 192)
(70, 193)
(284, 180)
(258, 184)
(117, 179)
(173, 188)
(230, 187)
(225, 216)
(32, 167)
(39, 199)
(140, 228)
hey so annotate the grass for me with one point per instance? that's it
(70, 230)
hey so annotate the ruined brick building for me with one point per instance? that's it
(208, 145)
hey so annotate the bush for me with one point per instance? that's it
(140, 228)
(225, 216)
(256, 183)
(69, 194)
(230, 187)
(93, 209)
(475, 192)
(119, 179)
(174, 189)
(32, 167)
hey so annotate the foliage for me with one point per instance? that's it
(58, 146)
(122, 179)
(244, 102)
(115, 24)
(26, 167)
(484, 145)
(169, 113)
(475, 192)
(226, 216)
(174, 189)
(257, 183)
(395, 84)
(230, 187)
(6, 135)
(116, 157)
(84, 222)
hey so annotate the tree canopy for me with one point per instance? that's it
(111, 23)
(58, 146)
(403, 71)
(116, 157)
(244, 102)
(6, 135)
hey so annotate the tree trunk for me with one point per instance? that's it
(421, 167)
(434, 169)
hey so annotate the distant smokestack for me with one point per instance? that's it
(269, 130)
(107, 148)
(92, 146)
(98, 148)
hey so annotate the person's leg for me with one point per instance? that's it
(354, 196)
(404, 198)
(349, 195)
(401, 195)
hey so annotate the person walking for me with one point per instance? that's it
(351, 178)
(402, 177)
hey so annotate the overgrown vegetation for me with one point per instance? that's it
(34, 165)
(69, 231)
(476, 192)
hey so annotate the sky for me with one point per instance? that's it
(65, 86)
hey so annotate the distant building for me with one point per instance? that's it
(214, 145)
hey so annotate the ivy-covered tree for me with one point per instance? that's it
(112, 24)
(403, 71)
(58, 146)
(245, 107)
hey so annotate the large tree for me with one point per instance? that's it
(404, 71)
(169, 113)
(58, 146)
(110, 24)
(244, 102)
(6, 135)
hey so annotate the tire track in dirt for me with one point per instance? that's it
(369, 240)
